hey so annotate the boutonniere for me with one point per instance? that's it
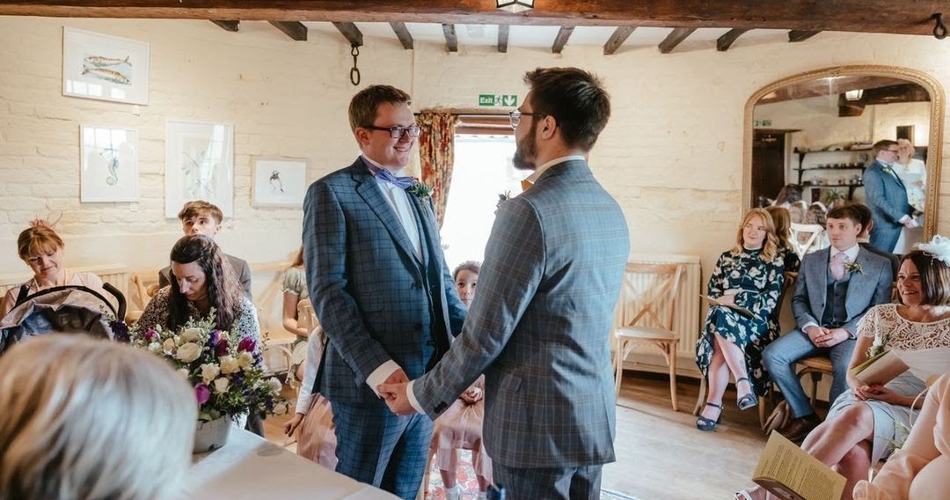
(502, 197)
(420, 190)
(853, 267)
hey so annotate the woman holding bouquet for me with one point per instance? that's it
(749, 275)
(865, 421)
(201, 284)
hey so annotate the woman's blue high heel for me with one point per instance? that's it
(708, 424)
(748, 400)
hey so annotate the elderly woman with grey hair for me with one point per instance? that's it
(88, 419)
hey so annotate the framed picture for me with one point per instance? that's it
(104, 67)
(279, 182)
(109, 164)
(199, 165)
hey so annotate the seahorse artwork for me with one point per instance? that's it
(113, 171)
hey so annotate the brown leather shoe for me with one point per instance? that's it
(797, 428)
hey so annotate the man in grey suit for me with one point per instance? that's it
(540, 323)
(380, 286)
(887, 197)
(835, 288)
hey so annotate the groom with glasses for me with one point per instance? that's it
(380, 286)
(887, 197)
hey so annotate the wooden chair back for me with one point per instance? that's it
(806, 238)
(648, 295)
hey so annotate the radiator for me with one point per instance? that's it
(686, 317)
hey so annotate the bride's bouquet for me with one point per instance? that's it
(225, 369)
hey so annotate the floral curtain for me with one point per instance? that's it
(437, 156)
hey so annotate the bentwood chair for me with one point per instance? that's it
(645, 312)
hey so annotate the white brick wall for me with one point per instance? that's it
(672, 153)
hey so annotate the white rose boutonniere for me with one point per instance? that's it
(853, 267)
(420, 190)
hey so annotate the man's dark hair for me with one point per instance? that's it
(365, 103)
(575, 98)
(882, 145)
(864, 212)
(847, 212)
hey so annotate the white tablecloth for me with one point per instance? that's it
(248, 467)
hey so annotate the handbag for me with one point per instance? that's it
(778, 418)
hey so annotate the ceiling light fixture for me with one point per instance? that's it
(854, 95)
(515, 6)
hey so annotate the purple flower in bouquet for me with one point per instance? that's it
(151, 335)
(247, 344)
(213, 338)
(203, 393)
(221, 348)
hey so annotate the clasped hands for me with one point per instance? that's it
(393, 391)
(826, 337)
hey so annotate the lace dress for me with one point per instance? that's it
(761, 285)
(892, 422)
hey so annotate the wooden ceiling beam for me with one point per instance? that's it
(800, 35)
(451, 40)
(675, 38)
(293, 29)
(619, 36)
(563, 35)
(402, 33)
(913, 18)
(232, 26)
(725, 41)
(351, 33)
(503, 30)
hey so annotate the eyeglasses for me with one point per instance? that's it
(397, 132)
(895, 151)
(754, 227)
(515, 116)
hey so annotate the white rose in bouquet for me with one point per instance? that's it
(245, 360)
(221, 385)
(169, 345)
(191, 335)
(188, 352)
(229, 365)
(209, 372)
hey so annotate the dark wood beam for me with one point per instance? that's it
(619, 36)
(800, 35)
(232, 26)
(674, 38)
(293, 29)
(351, 33)
(451, 41)
(726, 40)
(913, 18)
(563, 35)
(503, 30)
(402, 33)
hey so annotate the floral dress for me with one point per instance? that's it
(156, 313)
(891, 422)
(761, 286)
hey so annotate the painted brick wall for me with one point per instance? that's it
(672, 153)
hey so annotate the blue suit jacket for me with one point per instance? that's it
(375, 299)
(868, 288)
(539, 326)
(887, 198)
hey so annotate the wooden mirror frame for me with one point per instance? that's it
(934, 145)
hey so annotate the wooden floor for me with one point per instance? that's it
(660, 453)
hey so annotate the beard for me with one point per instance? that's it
(525, 149)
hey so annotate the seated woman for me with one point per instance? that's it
(461, 425)
(783, 231)
(42, 249)
(751, 276)
(134, 441)
(201, 283)
(863, 421)
(921, 468)
(316, 439)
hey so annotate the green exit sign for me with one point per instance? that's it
(498, 100)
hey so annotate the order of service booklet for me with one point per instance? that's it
(790, 473)
(741, 310)
(922, 363)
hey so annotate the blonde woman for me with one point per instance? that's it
(42, 250)
(89, 419)
(749, 275)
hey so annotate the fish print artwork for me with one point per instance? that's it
(111, 69)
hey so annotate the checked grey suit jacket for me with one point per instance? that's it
(375, 299)
(539, 326)
(887, 198)
(865, 289)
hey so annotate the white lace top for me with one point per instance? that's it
(883, 321)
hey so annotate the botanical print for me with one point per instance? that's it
(199, 165)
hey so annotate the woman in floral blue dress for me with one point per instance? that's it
(749, 276)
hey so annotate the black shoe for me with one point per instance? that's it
(708, 424)
(748, 400)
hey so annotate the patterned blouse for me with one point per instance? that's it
(760, 282)
(888, 328)
(156, 313)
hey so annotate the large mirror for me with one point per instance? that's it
(816, 130)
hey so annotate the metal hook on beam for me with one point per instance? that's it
(940, 30)
(354, 71)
